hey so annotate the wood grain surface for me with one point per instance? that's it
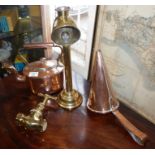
(79, 128)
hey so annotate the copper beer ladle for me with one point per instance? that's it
(107, 102)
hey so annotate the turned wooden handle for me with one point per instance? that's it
(37, 45)
(137, 135)
(41, 45)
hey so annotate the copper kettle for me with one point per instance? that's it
(42, 76)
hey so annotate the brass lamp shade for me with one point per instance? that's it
(65, 31)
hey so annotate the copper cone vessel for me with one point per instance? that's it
(102, 99)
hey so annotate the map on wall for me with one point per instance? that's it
(128, 46)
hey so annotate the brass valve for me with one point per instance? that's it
(35, 120)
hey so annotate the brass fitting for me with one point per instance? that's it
(35, 120)
(30, 123)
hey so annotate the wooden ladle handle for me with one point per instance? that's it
(137, 135)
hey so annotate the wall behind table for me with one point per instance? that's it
(126, 36)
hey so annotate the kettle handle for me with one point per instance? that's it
(38, 45)
(44, 46)
(41, 45)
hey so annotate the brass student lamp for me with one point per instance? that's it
(65, 33)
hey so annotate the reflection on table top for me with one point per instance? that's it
(79, 128)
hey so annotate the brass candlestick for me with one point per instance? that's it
(66, 33)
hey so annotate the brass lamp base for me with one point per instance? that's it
(69, 100)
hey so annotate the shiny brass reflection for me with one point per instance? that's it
(66, 33)
(35, 120)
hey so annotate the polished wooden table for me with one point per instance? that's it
(79, 128)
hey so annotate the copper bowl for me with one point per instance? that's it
(44, 76)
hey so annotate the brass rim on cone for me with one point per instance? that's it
(69, 100)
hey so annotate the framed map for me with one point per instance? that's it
(127, 41)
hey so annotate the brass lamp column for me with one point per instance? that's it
(66, 33)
